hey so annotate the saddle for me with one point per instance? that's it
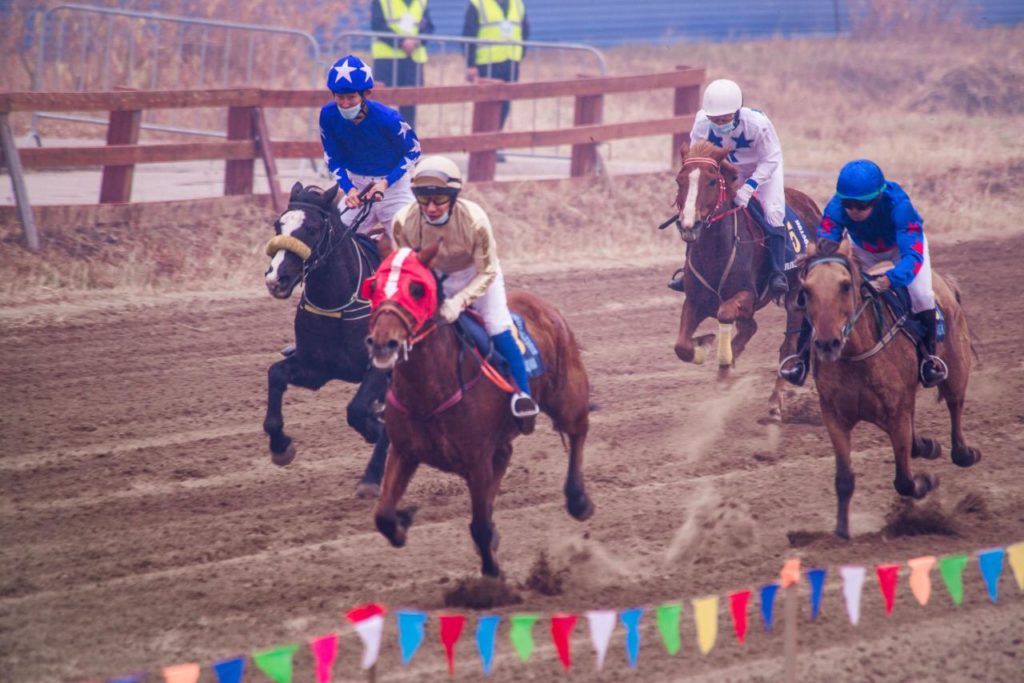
(795, 233)
(470, 329)
(897, 300)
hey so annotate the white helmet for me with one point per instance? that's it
(437, 171)
(722, 97)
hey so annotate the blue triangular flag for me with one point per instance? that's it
(991, 564)
(486, 630)
(128, 678)
(410, 632)
(768, 603)
(230, 670)
(631, 620)
(817, 579)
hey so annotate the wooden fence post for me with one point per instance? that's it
(12, 159)
(269, 164)
(588, 109)
(238, 173)
(116, 182)
(686, 101)
(486, 119)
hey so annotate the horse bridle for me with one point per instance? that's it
(713, 217)
(414, 334)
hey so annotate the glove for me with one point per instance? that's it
(743, 195)
(880, 283)
(450, 309)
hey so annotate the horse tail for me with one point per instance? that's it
(971, 338)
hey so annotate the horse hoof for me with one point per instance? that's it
(367, 489)
(843, 534)
(966, 456)
(774, 416)
(580, 507)
(926, 448)
(284, 457)
(923, 484)
(392, 530)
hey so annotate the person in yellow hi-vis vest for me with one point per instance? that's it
(497, 20)
(400, 61)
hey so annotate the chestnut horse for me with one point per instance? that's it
(727, 264)
(443, 411)
(864, 373)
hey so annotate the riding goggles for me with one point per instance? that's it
(438, 199)
(858, 204)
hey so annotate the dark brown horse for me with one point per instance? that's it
(443, 411)
(727, 264)
(864, 373)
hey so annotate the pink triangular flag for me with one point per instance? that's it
(887, 577)
(368, 621)
(920, 578)
(451, 629)
(325, 650)
(561, 628)
(602, 623)
(181, 673)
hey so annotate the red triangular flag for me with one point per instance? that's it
(887, 575)
(362, 612)
(738, 605)
(451, 629)
(561, 628)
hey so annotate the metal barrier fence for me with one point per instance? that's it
(83, 48)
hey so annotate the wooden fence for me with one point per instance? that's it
(249, 140)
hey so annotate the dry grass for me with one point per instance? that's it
(938, 109)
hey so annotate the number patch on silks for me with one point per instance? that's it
(528, 347)
(797, 240)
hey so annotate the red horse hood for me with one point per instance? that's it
(393, 280)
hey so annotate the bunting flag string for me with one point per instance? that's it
(368, 620)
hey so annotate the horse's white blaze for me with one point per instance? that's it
(391, 286)
(690, 207)
(290, 222)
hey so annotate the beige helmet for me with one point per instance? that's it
(437, 171)
(722, 97)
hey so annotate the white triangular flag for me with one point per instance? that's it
(853, 581)
(368, 621)
(602, 623)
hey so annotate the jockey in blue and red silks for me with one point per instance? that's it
(883, 226)
(368, 147)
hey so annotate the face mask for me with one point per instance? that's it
(726, 129)
(440, 221)
(350, 112)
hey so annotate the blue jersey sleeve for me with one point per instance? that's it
(910, 240)
(405, 139)
(332, 155)
(832, 221)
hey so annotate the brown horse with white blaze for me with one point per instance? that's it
(727, 263)
(868, 374)
(443, 410)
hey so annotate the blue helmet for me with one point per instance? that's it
(861, 180)
(349, 74)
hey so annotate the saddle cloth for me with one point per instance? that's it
(796, 232)
(472, 330)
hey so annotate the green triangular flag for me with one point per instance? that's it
(276, 662)
(668, 625)
(952, 569)
(521, 634)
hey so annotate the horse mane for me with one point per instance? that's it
(705, 148)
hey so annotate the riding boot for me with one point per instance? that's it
(777, 251)
(523, 406)
(933, 369)
(676, 283)
(794, 368)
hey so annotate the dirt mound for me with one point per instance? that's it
(982, 88)
(481, 593)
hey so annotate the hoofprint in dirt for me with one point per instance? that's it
(144, 525)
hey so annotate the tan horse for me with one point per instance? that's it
(866, 374)
(727, 264)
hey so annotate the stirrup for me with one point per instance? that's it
(797, 374)
(940, 368)
(529, 407)
(676, 283)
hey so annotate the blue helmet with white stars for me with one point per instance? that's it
(861, 180)
(349, 74)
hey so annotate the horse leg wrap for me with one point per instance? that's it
(724, 345)
(699, 355)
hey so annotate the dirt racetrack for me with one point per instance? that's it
(144, 524)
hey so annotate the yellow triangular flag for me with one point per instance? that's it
(705, 612)
(920, 579)
(1016, 554)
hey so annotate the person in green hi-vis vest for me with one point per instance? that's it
(498, 20)
(400, 61)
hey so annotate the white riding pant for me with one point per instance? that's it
(773, 198)
(922, 296)
(492, 306)
(396, 197)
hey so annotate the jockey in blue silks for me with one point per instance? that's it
(367, 146)
(883, 226)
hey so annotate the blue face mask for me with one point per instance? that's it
(350, 112)
(725, 129)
